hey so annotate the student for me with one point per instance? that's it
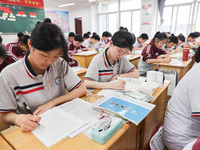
(85, 36)
(182, 117)
(181, 41)
(19, 49)
(138, 45)
(110, 64)
(70, 37)
(190, 39)
(39, 79)
(89, 33)
(1, 41)
(20, 34)
(75, 46)
(92, 43)
(153, 53)
(172, 41)
(104, 39)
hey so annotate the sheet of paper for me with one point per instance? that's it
(86, 52)
(176, 61)
(59, 122)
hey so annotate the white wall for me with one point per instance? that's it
(79, 10)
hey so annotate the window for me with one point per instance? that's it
(126, 20)
(136, 23)
(130, 4)
(112, 23)
(109, 6)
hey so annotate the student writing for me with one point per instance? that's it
(39, 79)
(108, 65)
(153, 53)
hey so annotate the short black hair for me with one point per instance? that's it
(173, 39)
(78, 38)
(86, 35)
(96, 37)
(47, 20)
(88, 32)
(123, 28)
(71, 34)
(20, 34)
(123, 39)
(144, 36)
(1, 40)
(193, 35)
(24, 39)
(2, 52)
(181, 37)
(106, 34)
(197, 33)
(197, 55)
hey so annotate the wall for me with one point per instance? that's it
(79, 10)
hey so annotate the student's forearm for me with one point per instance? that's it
(78, 92)
(151, 61)
(9, 118)
(133, 74)
(97, 85)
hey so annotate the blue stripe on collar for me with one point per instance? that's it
(106, 58)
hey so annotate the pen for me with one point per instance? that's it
(28, 109)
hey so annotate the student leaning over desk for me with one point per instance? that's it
(110, 64)
(39, 79)
(153, 53)
(182, 117)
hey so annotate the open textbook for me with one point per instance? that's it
(124, 106)
(58, 122)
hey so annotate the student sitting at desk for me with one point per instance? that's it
(138, 45)
(112, 63)
(182, 117)
(70, 37)
(181, 41)
(153, 53)
(92, 43)
(172, 41)
(19, 49)
(85, 36)
(38, 80)
(190, 39)
(75, 46)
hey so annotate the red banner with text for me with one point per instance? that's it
(27, 3)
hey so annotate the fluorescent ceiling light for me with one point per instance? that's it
(69, 4)
(92, 0)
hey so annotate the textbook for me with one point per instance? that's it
(128, 108)
(58, 122)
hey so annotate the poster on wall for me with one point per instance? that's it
(61, 18)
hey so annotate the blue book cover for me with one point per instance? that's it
(128, 110)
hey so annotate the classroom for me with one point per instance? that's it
(99, 74)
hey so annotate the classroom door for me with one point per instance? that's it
(78, 26)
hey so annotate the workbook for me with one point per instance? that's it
(58, 122)
(128, 108)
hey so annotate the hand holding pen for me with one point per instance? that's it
(28, 109)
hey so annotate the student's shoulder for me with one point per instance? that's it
(98, 58)
(12, 69)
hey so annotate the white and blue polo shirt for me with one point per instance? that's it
(19, 83)
(101, 70)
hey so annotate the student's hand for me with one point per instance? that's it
(79, 51)
(27, 122)
(167, 60)
(43, 108)
(120, 85)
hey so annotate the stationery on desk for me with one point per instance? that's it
(58, 122)
(124, 106)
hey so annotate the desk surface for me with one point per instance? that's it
(126, 138)
(4, 145)
(85, 54)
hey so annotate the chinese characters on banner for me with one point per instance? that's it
(61, 18)
(27, 3)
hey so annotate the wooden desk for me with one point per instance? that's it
(128, 137)
(4, 145)
(80, 72)
(134, 59)
(181, 68)
(84, 59)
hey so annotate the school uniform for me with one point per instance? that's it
(72, 49)
(72, 62)
(101, 70)
(87, 44)
(19, 83)
(149, 52)
(137, 44)
(10, 58)
(182, 118)
(15, 51)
